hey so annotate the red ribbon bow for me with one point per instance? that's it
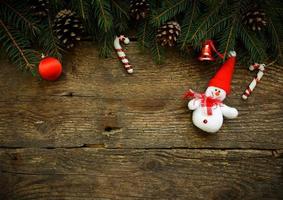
(206, 102)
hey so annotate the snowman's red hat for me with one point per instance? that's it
(223, 77)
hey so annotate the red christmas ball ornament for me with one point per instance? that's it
(50, 68)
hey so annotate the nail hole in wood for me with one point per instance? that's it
(108, 128)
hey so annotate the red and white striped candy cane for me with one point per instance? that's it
(251, 87)
(121, 54)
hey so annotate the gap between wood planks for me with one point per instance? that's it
(278, 153)
(70, 94)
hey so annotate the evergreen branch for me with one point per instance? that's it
(49, 41)
(82, 9)
(157, 53)
(106, 42)
(120, 14)
(188, 26)
(230, 39)
(229, 34)
(28, 65)
(121, 10)
(103, 14)
(276, 36)
(55, 6)
(168, 12)
(271, 63)
(253, 44)
(205, 21)
(20, 18)
(217, 24)
(142, 35)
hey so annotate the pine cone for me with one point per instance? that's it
(68, 28)
(139, 9)
(39, 8)
(255, 18)
(168, 33)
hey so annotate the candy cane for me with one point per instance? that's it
(256, 79)
(120, 52)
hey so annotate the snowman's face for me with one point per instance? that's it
(215, 93)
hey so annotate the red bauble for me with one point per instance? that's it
(50, 68)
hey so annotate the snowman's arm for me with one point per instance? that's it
(229, 112)
(194, 104)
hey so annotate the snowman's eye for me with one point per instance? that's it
(215, 90)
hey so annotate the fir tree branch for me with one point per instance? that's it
(49, 41)
(168, 12)
(118, 7)
(211, 31)
(103, 14)
(142, 34)
(187, 27)
(254, 45)
(205, 22)
(82, 9)
(120, 15)
(106, 42)
(231, 38)
(28, 65)
(19, 16)
(277, 38)
(157, 53)
(229, 33)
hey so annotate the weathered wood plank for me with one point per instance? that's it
(91, 173)
(145, 110)
(76, 121)
(88, 75)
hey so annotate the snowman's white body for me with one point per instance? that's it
(211, 123)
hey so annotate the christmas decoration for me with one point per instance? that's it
(251, 87)
(206, 51)
(255, 18)
(139, 9)
(168, 33)
(208, 107)
(39, 8)
(50, 68)
(68, 28)
(22, 33)
(120, 52)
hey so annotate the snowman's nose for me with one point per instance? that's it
(217, 93)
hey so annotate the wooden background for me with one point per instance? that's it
(99, 133)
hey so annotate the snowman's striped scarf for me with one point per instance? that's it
(206, 102)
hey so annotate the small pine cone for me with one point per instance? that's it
(139, 9)
(39, 8)
(255, 18)
(67, 28)
(168, 33)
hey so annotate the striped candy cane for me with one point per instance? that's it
(251, 87)
(121, 54)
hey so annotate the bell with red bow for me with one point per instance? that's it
(207, 51)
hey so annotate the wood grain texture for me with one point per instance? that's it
(99, 133)
(91, 173)
(143, 110)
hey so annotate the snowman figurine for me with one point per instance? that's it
(208, 109)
